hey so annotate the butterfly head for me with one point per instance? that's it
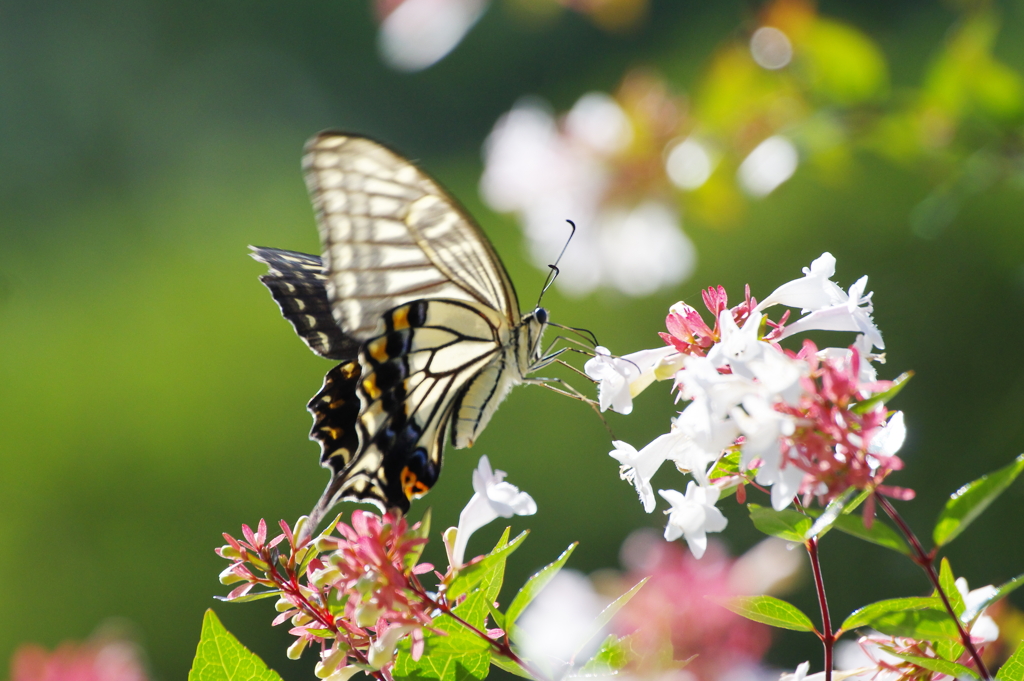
(534, 324)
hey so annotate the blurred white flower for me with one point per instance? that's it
(867, 373)
(559, 621)
(419, 33)
(888, 440)
(801, 674)
(769, 567)
(770, 48)
(770, 164)
(492, 498)
(548, 172)
(693, 515)
(984, 629)
(689, 164)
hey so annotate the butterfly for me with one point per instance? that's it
(413, 301)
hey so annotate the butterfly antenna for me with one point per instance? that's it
(579, 331)
(553, 274)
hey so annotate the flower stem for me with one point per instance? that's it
(828, 638)
(927, 562)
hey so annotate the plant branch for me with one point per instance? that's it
(828, 637)
(927, 562)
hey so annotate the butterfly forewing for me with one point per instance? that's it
(390, 235)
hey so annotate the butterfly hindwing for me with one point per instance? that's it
(413, 375)
(296, 281)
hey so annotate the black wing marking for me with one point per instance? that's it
(335, 410)
(296, 281)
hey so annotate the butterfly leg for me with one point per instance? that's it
(569, 391)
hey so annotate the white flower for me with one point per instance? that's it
(762, 426)
(984, 629)
(620, 379)
(888, 440)
(867, 373)
(851, 314)
(693, 515)
(492, 498)
(706, 435)
(738, 347)
(779, 375)
(383, 648)
(419, 33)
(639, 467)
(813, 291)
(560, 621)
(700, 380)
(801, 674)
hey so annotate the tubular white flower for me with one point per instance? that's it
(762, 426)
(620, 379)
(639, 467)
(693, 515)
(889, 439)
(492, 498)
(383, 648)
(853, 313)
(984, 629)
(867, 373)
(813, 291)
(419, 33)
(738, 347)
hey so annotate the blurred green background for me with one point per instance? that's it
(151, 396)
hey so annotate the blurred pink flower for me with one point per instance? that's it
(675, 611)
(105, 660)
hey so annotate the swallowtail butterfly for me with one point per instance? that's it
(412, 300)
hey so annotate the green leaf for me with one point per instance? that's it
(1013, 669)
(509, 666)
(606, 615)
(413, 557)
(787, 524)
(726, 466)
(456, 654)
(828, 517)
(968, 502)
(469, 577)
(883, 397)
(951, 669)
(968, 616)
(611, 657)
(862, 617)
(880, 533)
(948, 583)
(497, 616)
(220, 657)
(949, 650)
(923, 618)
(258, 596)
(534, 585)
(769, 610)
(855, 504)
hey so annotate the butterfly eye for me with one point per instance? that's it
(541, 315)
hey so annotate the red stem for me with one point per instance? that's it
(927, 563)
(828, 638)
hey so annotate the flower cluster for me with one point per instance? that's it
(355, 593)
(810, 422)
(103, 659)
(354, 590)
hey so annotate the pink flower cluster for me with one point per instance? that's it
(355, 593)
(689, 334)
(105, 660)
(833, 439)
(675, 615)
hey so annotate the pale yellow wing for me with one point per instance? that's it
(391, 235)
